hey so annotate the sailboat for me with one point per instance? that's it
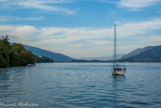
(117, 69)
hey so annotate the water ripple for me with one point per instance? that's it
(82, 85)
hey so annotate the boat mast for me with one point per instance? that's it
(115, 51)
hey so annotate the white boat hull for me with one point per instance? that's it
(118, 72)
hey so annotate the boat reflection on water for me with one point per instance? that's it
(118, 84)
(119, 77)
(118, 81)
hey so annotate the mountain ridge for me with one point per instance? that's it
(56, 57)
(146, 54)
(137, 51)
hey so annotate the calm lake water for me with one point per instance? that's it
(83, 85)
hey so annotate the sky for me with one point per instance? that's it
(82, 28)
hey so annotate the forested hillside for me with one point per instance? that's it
(14, 55)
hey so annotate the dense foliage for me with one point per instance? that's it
(14, 55)
(41, 59)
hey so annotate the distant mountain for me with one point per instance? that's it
(147, 54)
(103, 58)
(56, 57)
(137, 51)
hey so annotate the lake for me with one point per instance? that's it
(85, 85)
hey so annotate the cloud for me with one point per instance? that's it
(14, 18)
(107, 1)
(139, 28)
(88, 41)
(151, 40)
(99, 42)
(133, 5)
(46, 5)
(43, 6)
(21, 34)
(136, 4)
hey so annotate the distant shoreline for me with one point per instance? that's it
(99, 62)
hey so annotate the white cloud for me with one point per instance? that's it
(107, 1)
(135, 4)
(43, 6)
(151, 40)
(85, 42)
(33, 18)
(99, 42)
(139, 28)
(14, 18)
(21, 34)
(46, 5)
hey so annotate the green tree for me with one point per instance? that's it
(19, 56)
(4, 52)
(14, 55)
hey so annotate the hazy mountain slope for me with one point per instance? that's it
(52, 55)
(137, 51)
(146, 54)
(152, 55)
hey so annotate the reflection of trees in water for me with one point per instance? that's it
(118, 81)
(4, 75)
(10, 81)
(4, 78)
